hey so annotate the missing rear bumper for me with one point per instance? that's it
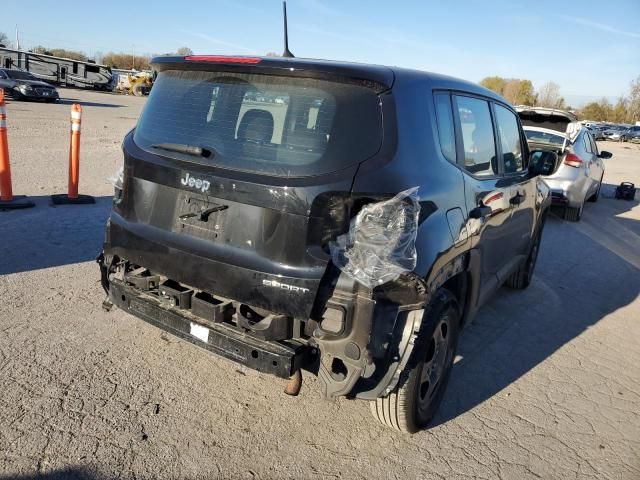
(277, 358)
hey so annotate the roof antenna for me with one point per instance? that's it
(286, 52)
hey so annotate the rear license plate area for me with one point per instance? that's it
(201, 218)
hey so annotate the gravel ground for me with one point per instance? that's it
(547, 384)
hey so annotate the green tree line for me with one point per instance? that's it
(521, 92)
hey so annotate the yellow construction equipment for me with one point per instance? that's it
(135, 83)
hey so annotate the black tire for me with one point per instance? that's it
(521, 278)
(573, 214)
(594, 198)
(414, 401)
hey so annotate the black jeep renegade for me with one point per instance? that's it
(258, 217)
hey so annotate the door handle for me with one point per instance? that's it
(517, 199)
(480, 211)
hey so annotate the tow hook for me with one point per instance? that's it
(107, 305)
(294, 384)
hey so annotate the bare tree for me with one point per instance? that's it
(619, 111)
(519, 92)
(126, 61)
(633, 113)
(549, 96)
(4, 40)
(184, 51)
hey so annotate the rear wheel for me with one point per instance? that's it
(521, 278)
(595, 196)
(422, 384)
(574, 214)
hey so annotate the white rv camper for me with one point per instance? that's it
(65, 72)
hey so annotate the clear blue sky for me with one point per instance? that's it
(590, 47)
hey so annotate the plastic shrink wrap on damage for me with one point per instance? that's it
(380, 243)
(116, 178)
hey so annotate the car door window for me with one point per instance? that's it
(446, 132)
(594, 146)
(510, 140)
(587, 143)
(476, 128)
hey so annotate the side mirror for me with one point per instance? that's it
(604, 155)
(542, 163)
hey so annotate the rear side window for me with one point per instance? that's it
(538, 136)
(587, 143)
(446, 131)
(269, 124)
(510, 140)
(477, 136)
(594, 147)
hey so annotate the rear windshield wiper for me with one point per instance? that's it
(192, 150)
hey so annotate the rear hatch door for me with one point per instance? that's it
(548, 118)
(238, 174)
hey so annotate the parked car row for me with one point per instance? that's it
(615, 133)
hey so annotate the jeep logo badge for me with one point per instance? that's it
(189, 181)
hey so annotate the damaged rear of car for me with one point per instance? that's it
(236, 180)
(258, 216)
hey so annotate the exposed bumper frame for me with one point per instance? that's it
(277, 358)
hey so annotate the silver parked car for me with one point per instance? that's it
(617, 133)
(577, 176)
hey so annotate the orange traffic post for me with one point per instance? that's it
(72, 196)
(7, 200)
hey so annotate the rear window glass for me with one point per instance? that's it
(268, 124)
(544, 137)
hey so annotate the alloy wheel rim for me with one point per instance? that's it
(437, 357)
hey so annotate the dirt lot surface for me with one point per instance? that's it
(547, 386)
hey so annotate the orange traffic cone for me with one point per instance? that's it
(7, 200)
(72, 196)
